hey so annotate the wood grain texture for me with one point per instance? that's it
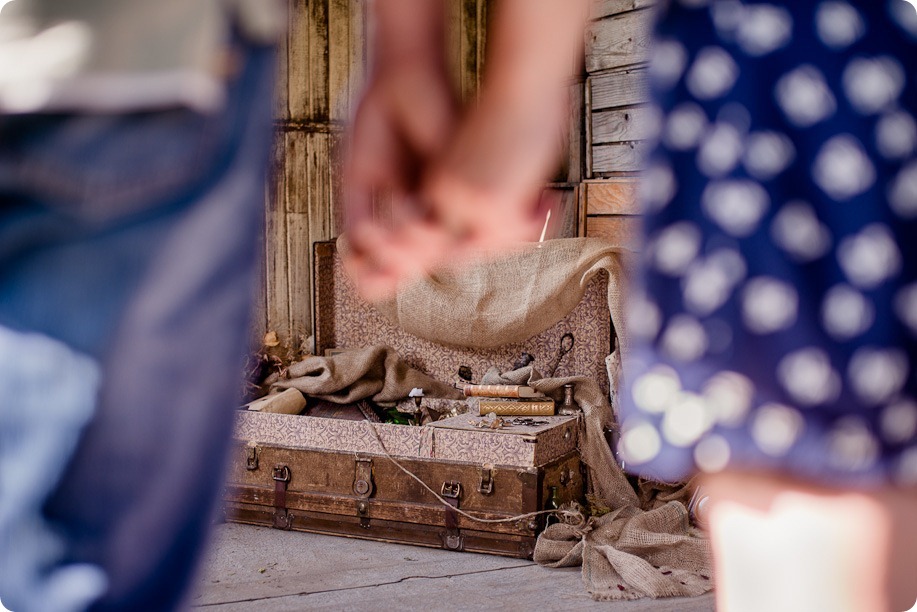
(622, 230)
(621, 125)
(618, 41)
(281, 84)
(612, 197)
(624, 157)
(619, 88)
(339, 52)
(298, 66)
(276, 279)
(318, 107)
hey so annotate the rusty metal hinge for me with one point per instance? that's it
(487, 479)
(363, 485)
(363, 513)
(282, 517)
(251, 457)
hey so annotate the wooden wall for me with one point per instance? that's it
(321, 69)
(617, 48)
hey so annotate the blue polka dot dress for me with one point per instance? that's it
(774, 321)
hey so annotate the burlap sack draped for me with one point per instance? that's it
(375, 372)
(511, 298)
(645, 547)
(628, 553)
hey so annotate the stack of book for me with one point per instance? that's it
(510, 400)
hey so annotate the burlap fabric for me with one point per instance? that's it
(511, 298)
(375, 372)
(629, 553)
(645, 547)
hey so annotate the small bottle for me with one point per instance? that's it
(553, 503)
(568, 407)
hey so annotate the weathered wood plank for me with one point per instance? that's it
(622, 88)
(299, 246)
(621, 230)
(319, 208)
(618, 41)
(576, 138)
(319, 99)
(298, 66)
(296, 187)
(454, 36)
(623, 157)
(259, 299)
(339, 45)
(612, 197)
(605, 8)
(281, 75)
(469, 42)
(358, 62)
(621, 125)
(337, 183)
(276, 279)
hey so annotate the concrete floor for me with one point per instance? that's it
(260, 569)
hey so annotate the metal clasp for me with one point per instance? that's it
(451, 489)
(363, 513)
(281, 473)
(251, 459)
(363, 477)
(487, 479)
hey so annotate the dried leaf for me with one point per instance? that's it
(271, 339)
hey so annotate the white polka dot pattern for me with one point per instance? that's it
(776, 322)
(838, 24)
(877, 376)
(870, 257)
(768, 305)
(808, 377)
(842, 168)
(720, 150)
(676, 247)
(712, 74)
(805, 97)
(851, 446)
(873, 84)
(685, 127)
(776, 428)
(684, 339)
(797, 230)
(668, 63)
(737, 206)
(846, 313)
(764, 28)
(767, 154)
(896, 136)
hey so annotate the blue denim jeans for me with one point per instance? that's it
(132, 241)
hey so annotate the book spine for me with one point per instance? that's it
(492, 391)
(515, 408)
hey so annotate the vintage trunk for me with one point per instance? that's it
(289, 482)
